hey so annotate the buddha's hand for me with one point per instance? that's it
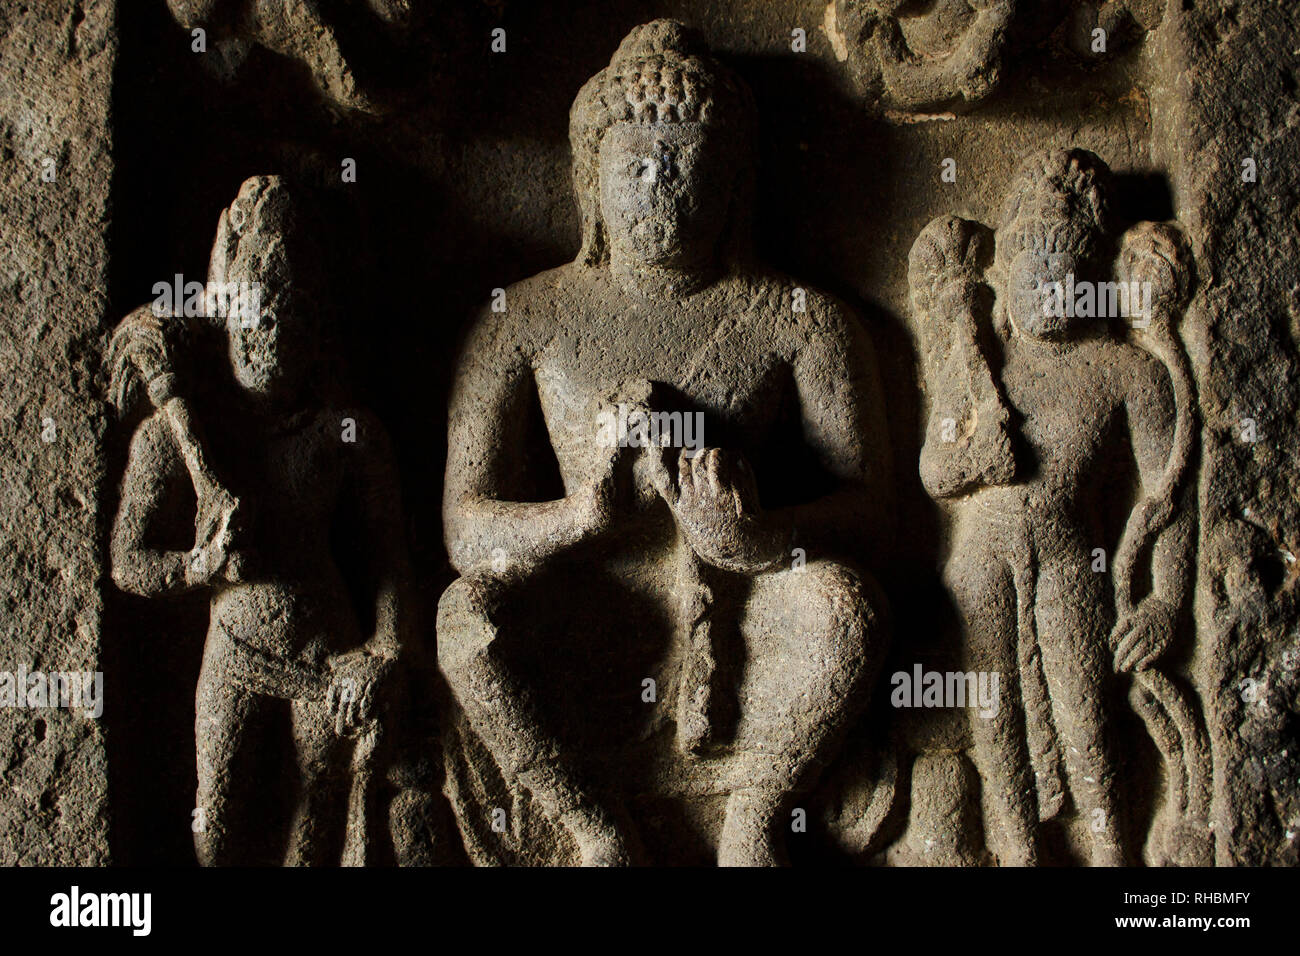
(621, 419)
(354, 677)
(599, 502)
(715, 502)
(1143, 635)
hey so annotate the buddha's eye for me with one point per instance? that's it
(644, 168)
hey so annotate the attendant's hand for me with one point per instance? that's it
(354, 678)
(1143, 635)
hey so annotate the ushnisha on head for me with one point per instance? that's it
(1054, 226)
(662, 143)
(262, 240)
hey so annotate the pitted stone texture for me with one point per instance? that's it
(714, 638)
(57, 61)
(1231, 97)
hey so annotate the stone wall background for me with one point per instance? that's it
(1229, 93)
(56, 70)
(465, 188)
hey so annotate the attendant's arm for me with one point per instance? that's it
(486, 437)
(153, 473)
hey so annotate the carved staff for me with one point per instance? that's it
(1170, 716)
(139, 359)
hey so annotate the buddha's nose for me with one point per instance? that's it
(667, 167)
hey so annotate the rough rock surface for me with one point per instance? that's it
(432, 143)
(56, 69)
(1229, 96)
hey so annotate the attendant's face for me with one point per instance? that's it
(271, 353)
(664, 191)
(1038, 284)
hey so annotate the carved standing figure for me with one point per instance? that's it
(1041, 425)
(714, 639)
(915, 57)
(288, 659)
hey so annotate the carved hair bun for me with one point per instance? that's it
(656, 38)
(1056, 202)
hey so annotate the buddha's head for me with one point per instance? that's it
(662, 154)
(1052, 235)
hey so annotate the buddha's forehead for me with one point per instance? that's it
(636, 136)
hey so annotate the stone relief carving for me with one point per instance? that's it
(1122, 23)
(314, 33)
(289, 666)
(948, 54)
(933, 55)
(667, 483)
(1043, 413)
(678, 559)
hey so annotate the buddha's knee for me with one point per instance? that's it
(468, 623)
(841, 613)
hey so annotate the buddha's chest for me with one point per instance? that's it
(731, 375)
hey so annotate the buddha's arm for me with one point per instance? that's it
(842, 407)
(482, 524)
